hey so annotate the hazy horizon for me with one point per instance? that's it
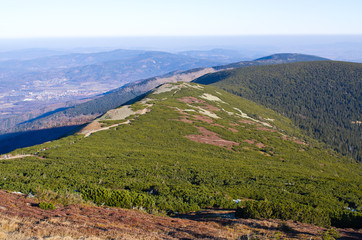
(336, 47)
(327, 28)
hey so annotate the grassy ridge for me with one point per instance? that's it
(153, 158)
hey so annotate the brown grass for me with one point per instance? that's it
(210, 137)
(20, 219)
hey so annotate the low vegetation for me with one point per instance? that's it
(153, 164)
(46, 206)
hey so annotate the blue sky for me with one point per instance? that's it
(103, 18)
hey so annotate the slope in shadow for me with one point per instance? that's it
(12, 141)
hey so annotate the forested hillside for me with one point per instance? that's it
(322, 98)
(186, 146)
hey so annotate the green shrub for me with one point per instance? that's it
(346, 218)
(284, 211)
(330, 234)
(46, 205)
(117, 198)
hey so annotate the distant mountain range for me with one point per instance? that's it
(37, 83)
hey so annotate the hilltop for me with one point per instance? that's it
(185, 146)
(323, 98)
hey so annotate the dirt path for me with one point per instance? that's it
(15, 156)
(89, 132)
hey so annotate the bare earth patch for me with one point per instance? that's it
(193, 100)
(205, 119)
(211, 97)
(118, 113)
(260, 145)
(185, 116)
(218, 125)
(210, 137)
(248, 122)
(207, 113)
(265, 129)
(249, 141)
(299, 142)
(183, 119)
(93, 126)
(294, 140)
(233, 130)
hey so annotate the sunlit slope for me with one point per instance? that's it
(184, 147)
(323, 98)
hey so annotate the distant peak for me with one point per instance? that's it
(291, 57)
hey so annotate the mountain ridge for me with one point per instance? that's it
(91, 109)
(185, 146)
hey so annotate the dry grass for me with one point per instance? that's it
(20, 218)
(9, 225)
(64, 199)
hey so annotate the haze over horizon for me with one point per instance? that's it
(327, 28)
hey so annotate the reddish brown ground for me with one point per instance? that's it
(293, 140)
(183, 119)
(249, 141)
(265, 129)
(299, 142)
(233, 130)
(21, 218)
(247, 121)
(22, 215)
(192, 100)
(260, 145)
(211, 108)
(212, 138)
(203, 118)
(218, 125)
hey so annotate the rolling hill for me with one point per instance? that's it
(82, 113)
(186, 146)
(34, 84)
(322, 98)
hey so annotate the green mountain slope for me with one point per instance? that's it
(322, 98)
(187, 146)
(81, 113)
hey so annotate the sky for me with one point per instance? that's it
(116, 18)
